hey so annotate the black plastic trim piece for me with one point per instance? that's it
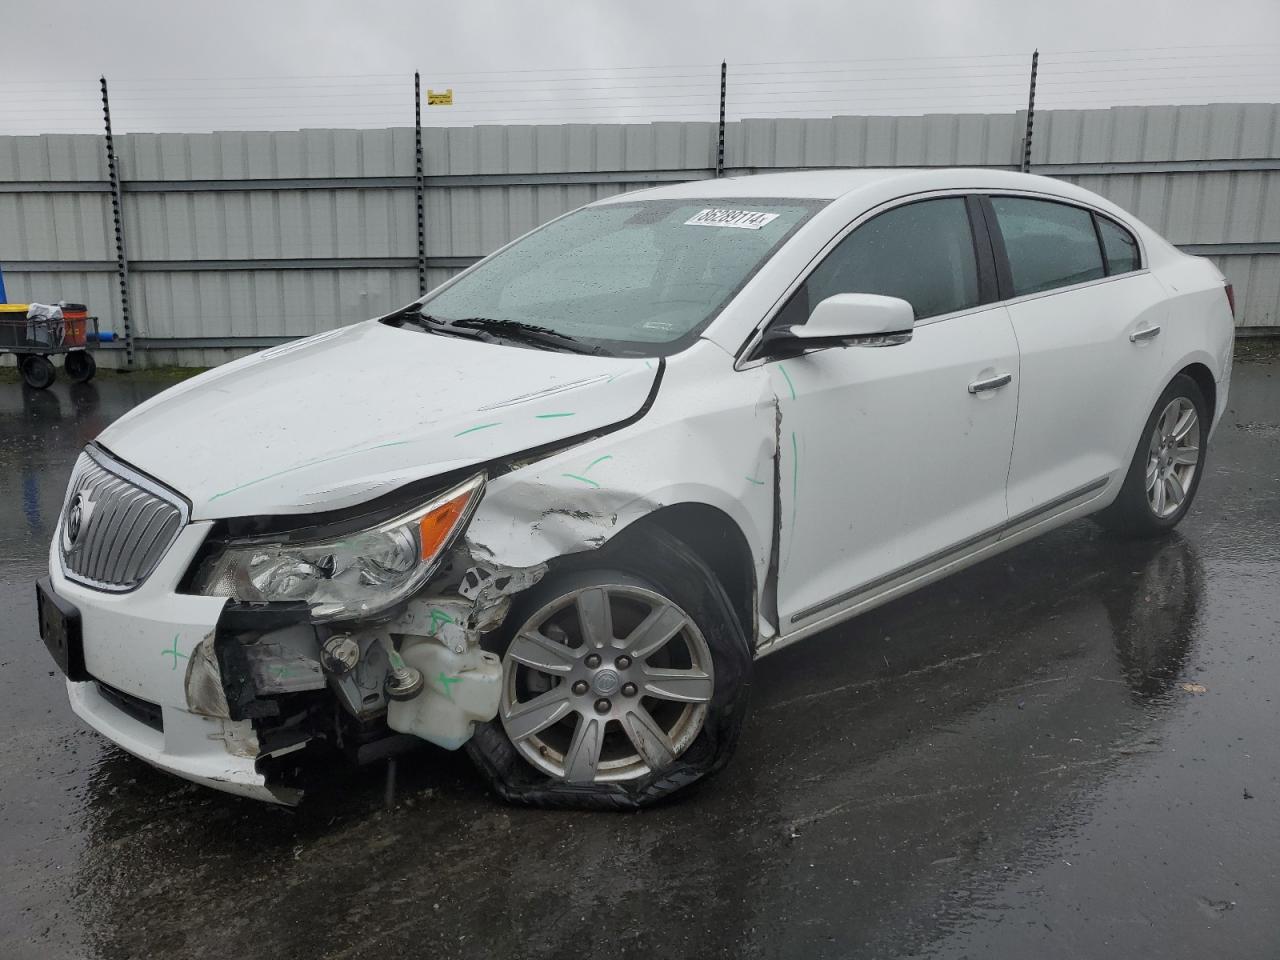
(1004, 275)
(144, 711)
(988, 283)
(1102, 249)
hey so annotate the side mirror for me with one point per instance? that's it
(845, 320)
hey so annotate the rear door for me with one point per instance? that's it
(893, 457)
(1087, 318)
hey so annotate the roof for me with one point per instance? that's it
(831, 184)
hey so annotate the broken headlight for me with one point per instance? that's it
(345, 577)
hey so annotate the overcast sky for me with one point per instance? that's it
(272, 64)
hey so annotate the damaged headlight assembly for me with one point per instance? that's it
(345, 577)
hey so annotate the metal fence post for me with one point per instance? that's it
(420, 187)
(117, 216)
(1031, 114)
(724, 71)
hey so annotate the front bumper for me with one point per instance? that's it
(189, 746)
(140, 643)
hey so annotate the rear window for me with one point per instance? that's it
(1049, 244)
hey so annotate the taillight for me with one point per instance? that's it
(1231, 299)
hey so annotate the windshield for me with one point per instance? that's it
(640, 278)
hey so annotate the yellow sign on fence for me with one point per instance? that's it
(441, 98)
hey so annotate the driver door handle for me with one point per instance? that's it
(1146, 333)
(991, 383)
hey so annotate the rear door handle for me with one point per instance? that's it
(1146, 333)
(990, 383)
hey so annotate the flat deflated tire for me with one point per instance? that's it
(1167, 465)
(625, 679)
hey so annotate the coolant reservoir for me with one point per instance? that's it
(458, 691)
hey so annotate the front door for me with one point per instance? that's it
(892, 458)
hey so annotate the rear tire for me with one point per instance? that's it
(80, 366)
(658, 721)
(1167, 465)
(37, 371)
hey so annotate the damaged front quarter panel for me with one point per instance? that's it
(709, 439)
(267, 676)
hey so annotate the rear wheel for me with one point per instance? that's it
(1166, 468)
(38, 371)
(625, 678)
(80, 366)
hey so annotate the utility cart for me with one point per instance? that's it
(34, 338)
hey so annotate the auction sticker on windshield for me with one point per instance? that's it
(744, 219)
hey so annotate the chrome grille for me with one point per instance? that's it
(116, 524)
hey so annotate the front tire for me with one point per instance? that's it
(625, 679)
(1165, 472)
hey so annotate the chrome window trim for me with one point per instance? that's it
(119, 468)
(753, 339)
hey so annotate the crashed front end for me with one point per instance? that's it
(220, 650)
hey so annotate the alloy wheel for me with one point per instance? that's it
(1173, 457)
(606, 683)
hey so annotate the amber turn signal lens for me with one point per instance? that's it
(434, 528)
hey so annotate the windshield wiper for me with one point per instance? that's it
(529, 333)
(436, 324)
(492, 330)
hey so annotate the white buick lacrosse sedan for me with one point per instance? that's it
(553, 511)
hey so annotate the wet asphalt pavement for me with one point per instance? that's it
(1067, 751)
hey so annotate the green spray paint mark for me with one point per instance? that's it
(551, 416)
(173, 652)
(790, 386)
(795, 467)
(281, 672)
(483, 426)
(585, 479)
(438, 619)
(648, 365)
(446, 682)
(309, 463)
(758, 483)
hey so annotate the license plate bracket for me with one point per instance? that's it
(60, 630)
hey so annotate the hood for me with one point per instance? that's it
(340, 418)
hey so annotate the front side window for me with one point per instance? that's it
(920, 252)
(1120, 247)
(631, 278)
(1049, 245)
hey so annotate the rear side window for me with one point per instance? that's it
(1120, 247)
(921, 252)
(1049, 245)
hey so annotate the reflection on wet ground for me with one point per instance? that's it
(1068, 751)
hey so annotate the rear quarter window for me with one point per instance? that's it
(1120, 246)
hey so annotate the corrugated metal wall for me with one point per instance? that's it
(270, 235)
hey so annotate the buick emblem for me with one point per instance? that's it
(77, 519)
